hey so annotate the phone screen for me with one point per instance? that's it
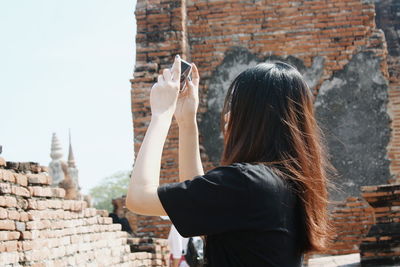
(185, 71)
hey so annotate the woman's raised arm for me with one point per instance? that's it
(142, 195)
(185, 114)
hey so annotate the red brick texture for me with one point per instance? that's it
(381, 246)
(352, 219)
(38, 227)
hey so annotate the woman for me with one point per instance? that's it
(266, 205)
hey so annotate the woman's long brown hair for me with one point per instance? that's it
(272, 121)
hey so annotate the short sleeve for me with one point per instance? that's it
(208, 204)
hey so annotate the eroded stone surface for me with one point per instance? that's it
(351, 108)
(238, 59)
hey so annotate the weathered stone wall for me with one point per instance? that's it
(381, 245)
(335, 45)
(352, 109)
(38, 227)
(388, 19)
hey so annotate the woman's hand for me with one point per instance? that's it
(188, 100)
(164, 93)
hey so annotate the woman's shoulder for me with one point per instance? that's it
(257, 174)
(260, 173)
(232, 174)
(234, 168)
(254, 168)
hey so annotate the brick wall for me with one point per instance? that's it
(321, 38)
(353, 218)
(381, 247)
(38, 227)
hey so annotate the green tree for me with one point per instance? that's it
(113, 186)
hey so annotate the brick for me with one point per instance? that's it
(7, 176)
(7, 225)
(54, 203)
(41, 204)
(23, 216)
(13, 215)
(34, 225)
(22, 203)
(25, 245)
(40, 178)
(9, 235)
(9, 258)
(32, 204)
(21, 179)
(5, 188)
(26, 235)
(3, 213)
(20, 226)
(8, 201)
(11, 246)
(20, 191)
(58, 192)
(39, 191)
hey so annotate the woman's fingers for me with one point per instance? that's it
(189, 83)
(192, 88)
(176, 69)
(167, 74)
(184, 92)
(160, 78)
(195, 74)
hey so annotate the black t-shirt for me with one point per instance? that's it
(249, 215)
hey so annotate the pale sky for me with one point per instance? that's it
(67, 64)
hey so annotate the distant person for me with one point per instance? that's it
(122, 221)
(177, 245)
(184, 252)
(125, 226)
(266, 204)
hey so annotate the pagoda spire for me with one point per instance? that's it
(71, 159)
(55, 166)
(56, 151)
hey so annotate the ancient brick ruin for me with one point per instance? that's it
(381, 245)
(39, 227)
(352, 219)
(348, 50)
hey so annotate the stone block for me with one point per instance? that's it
(7, 225)
(21, 179)
(40, 178)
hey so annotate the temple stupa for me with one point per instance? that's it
(65, 174)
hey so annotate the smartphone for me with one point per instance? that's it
(186, 70)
